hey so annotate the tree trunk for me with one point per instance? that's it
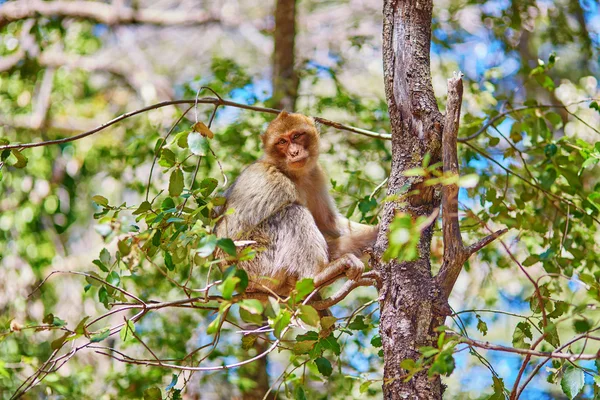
(285, 92)
(409, 293)
(285, 78)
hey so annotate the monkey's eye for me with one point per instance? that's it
(281, 141)
(297, 135)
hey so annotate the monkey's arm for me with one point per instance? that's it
(354, 238)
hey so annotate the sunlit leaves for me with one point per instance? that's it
(521, 334)
(572, 381)
(207, 245)
(403, 238)
(281, 322)
(53, 320)
(100, 200)
(324, 366)
(100, 335)
(309, 315)
(176, 182)
(127, 330)
(198, 144)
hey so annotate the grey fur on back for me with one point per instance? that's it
(268, 210)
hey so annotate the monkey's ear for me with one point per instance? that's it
(283, 114)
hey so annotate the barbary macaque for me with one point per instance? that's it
(282, 203)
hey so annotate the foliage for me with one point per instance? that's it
(139, 239)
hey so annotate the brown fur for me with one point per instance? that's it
(282, 203)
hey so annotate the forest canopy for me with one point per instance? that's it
(468, 132)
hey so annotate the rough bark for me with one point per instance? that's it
(413, 302)
(285, 77)
(409, 293)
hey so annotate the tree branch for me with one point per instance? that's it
(503, 114)
(204, 100)
(366, 280)
(455, 253)
(528, 352)
(100, 12)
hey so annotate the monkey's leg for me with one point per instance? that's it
(348, 265)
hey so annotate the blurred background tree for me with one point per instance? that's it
(69, 66)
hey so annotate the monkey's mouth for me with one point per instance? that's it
(298, 162)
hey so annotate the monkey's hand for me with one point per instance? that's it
(354, 267)
(348, 265)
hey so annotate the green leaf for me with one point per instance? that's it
(376, 341)
(51, 319)
(100, 336)
(248, 341)
(182, 138)
(309, 315)
(253, 306)
(208, 185)
(176, 183)
(310, 335)
(364, 387)
(100, 200)
(551, 335)
(80, 328)
(532, 259)
(228, 286)
(21, 159)
(144, 207)
(207, 245)
(481, 325)
(124, 247)
(103, 296)
(304, 287)
(227, 246)
(282, 321)
(522, 331)
(324, 366)
(331, 343)
(168, 261)
(126, 329)
(153, 393)
(428, 351)
(327, 322)
(168, 204)
(156, 238)
(100, 265)
(198, 144)
(581, 325)
(358, 324)
(367, 204)
(56, 344)
(105, 257)
(303, 347)
(167, 158)
(113, 278)
(572, 381)
(299, 393)
(250, 318)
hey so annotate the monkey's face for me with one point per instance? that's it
(292, 142)
(292, 146)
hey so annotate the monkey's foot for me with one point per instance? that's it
(354, 267)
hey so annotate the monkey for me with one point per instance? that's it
(282, 204)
